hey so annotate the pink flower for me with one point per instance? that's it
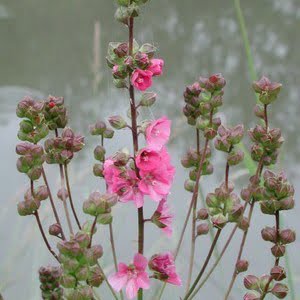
(148, 159)
(164, 268)
(157, 182)
(156, 66)
(124, 182)
(163, 218)
(141, 79)
(133, 277)
(158, 133)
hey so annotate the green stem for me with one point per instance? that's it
(204, 265)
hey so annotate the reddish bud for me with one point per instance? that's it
(202, 214)
(202, 229)
(278, 250)
(242, 266)
(251, 282)
(278, 273)
(280, 290)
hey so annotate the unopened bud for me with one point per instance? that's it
(95, 276)
(219, 221)
(55, 229)
(243, 224)
(278, 273)
(202, 229)
(280, 290)
(148, 99)
(251, 282)
(108, 133)
(189, 185)
(202, 214)
(117, 122)
(99, 153)
(242, 266)
(98, 128)
(253, 295)
(98, 170)
(68, 281)
(269, 234)
(62, 194)
(278, 250)
(235, 157)
(287, 236)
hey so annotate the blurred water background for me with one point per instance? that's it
(47, 47)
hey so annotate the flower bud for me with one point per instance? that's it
(189, 185)
(98, 170)
(122, 49)
(55, 229)
(235, 157)
(253, 295)
(148, 49)
(148, 99)
(242, 266)
(269, 234)
(269, 207)
(287, 236)
(121, 158)
(243, 223)
(98, 128)
(35, 173)
(95, 276)
(68, 281)
(236, 212)
(287, 203)
(202, 214)
(202, 229)
(278, 273)
(278, 250)
(267, 90)
(82, 239)
(210, 133)
(82, 273)
(246, 194)
(41, 193)
(99, 153)
(94, 253)
(212, 200)
(108, 133)
(219, 221)
(251, 282)
(62, 194)
(280, 290)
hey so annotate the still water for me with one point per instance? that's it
(47, 47)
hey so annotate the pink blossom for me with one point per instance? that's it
(132, 276)
(163, 218)
(124, 182)
(157, 182)
(158, 133)
(156, 66)
(164, 268)
(148, 159)
(141, 79)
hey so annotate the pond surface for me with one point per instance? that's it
(47, 48)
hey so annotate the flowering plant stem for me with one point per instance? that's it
(204, 265)
(37, 217)
(52, 203)
(135, 148)
(193, 235)
(242, 245)
(70, 195)
(277, 228)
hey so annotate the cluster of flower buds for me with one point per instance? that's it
(100, 129)
(191, 160)
(31, 202)
(141, 66)
(55, 113)
(60, 150)
(128, 9)
(31, 159)
(226, 140)
(50, 283)
(33, 128)
(266, 141)
(79, 264)
(202, 98)
(278, 193)
(258, 286)
(267, 90)
(224, 206)
(99, 205)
